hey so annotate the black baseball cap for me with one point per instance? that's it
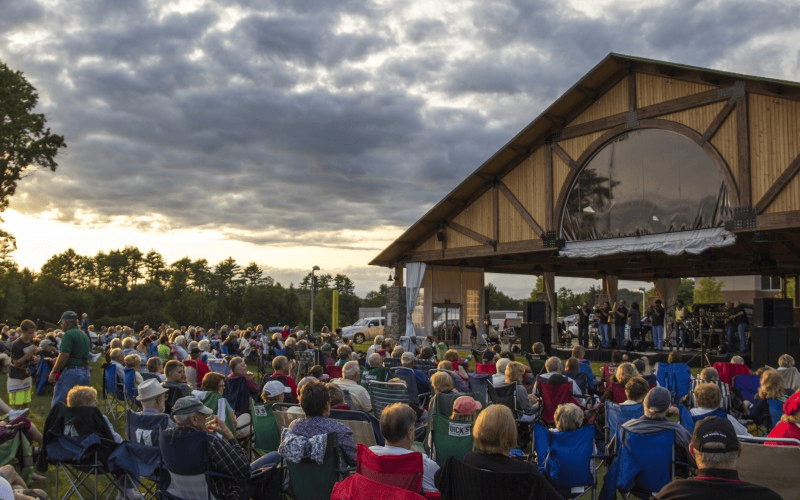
(714, 435)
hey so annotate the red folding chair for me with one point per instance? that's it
(359, 487)
(334, 371)
(401, 471)
(553, 395)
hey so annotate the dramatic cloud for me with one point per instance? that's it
(290, 122)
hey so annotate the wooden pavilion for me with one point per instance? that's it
(637, 157)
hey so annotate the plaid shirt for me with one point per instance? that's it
(311, 426)
(225, 457)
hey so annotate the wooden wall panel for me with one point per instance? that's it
(651, 89)
(458, 240)
(512, 226)
(479, 217)
(774, 144)
(527, 183)
(698, 118)
(726, 143)
(430, 244)
(788, 200)
(446, 286)
(576, 147)
(560, 172)
(614, 101)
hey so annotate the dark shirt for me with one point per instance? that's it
(496, 462)
(740, 318)
(17, 352)
(657, 316)
(602, 315)
(621, 316)
(715, 483)
(583, 317)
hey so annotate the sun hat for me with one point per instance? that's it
(188, 405)
(274, 388)
(149, 389)
(714, 435)
(465, 405)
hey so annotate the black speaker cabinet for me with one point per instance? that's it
(767, 344)
(772, 312)
(536, 332)
(535, 312)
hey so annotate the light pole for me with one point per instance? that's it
(643, 292)
(313, 292)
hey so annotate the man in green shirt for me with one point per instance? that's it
(73, 359)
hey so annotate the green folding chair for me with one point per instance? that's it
(309, 480)
(377, 374)
(383, 394)
(450, 438)
(267, 433)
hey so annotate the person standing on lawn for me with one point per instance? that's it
(73, 359)
(19, 374)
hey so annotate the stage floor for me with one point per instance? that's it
(690, 356)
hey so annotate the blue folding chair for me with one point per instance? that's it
(616, 415)
(747, 384)
(676, 377)
(42, 371)
(238, 394)
(688, 420)
(185, 457)
(113, 393)
(219, 366)
(587, 369)
(129, 389)
(775, 411)
(478, 385)
(566, 459)
(646, 462)
(408, 376)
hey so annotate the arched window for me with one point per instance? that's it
(645, 181)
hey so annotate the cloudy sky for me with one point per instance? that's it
(296, 133)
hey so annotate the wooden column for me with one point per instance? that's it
(549, 280)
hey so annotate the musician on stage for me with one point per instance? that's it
(730, 325)
(583, 324)
(681, 314)
(620, 320)
(603, 313)
(657, 318)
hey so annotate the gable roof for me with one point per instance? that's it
(575, 100)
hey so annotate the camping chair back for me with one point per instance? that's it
(552, 396)
(382, 394)
(403, 471)
(587, 369)
(358, 487)
(757, 464)
(265, 427)
(145, 429)
(334, 371)
(309, 480)
(304, 360)
(504, 395)
(616, 415)
(283, 417)
(470, 483)
(390, 363)
(112, 386)
(536, 364)
(450, 438)
(747, 384)
(775, 411)
(408, 376)
(565, 458)
(425, 365)
(191, 373)
(728, 371)
(361, 417)
(219, 366)
(185, 456)
(378, 374)
(646, 461)
(130, 386)
(478, 385)
(688, 420)
(676, 377)
(238, 394)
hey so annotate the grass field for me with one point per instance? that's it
(40, 406)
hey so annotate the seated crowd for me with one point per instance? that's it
(190, 382)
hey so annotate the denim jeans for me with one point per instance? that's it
(619, 333)
(658, 337)
(680, 333)
(70, 377)
(742, 338)
(729, 329)
(605, 335)
(583, 335)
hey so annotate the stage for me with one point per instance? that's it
(690, 356)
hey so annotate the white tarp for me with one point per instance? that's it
(693, 242)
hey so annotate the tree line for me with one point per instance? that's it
(126, 285)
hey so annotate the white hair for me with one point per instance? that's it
(351, 370)
(501, 364)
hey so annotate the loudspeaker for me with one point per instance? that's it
(534, 312)
(772, 312)
(767, 344)
(536, 332)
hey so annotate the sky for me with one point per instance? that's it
(314, 132)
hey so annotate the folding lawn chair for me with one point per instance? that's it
(616, 415)
(113, 393)
(478, 385)
(359, 487)
(401, 471)
(775, 411)
(688, 420)
(747, 384)
(309, 480)
(383, 394)
(761, 464)
(334, 371)
(238, 395)
(553, 395)
(459, 480)
(676, 377)
(449, 438)
(185, 457)
(409, 376)
(266, 432)
(567, 459)
(371, 425)
(379, 374)
(644, 465)
(219, 366)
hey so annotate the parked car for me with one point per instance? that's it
(364, 329)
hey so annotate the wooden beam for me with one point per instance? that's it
(548, 187)
(469, 233)
(743, 140)
(558, 120)
(718, 120)
(780, 183)
(632, 91)
(496, 213)
(564, 156)
(684, 103)
(521, 209)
